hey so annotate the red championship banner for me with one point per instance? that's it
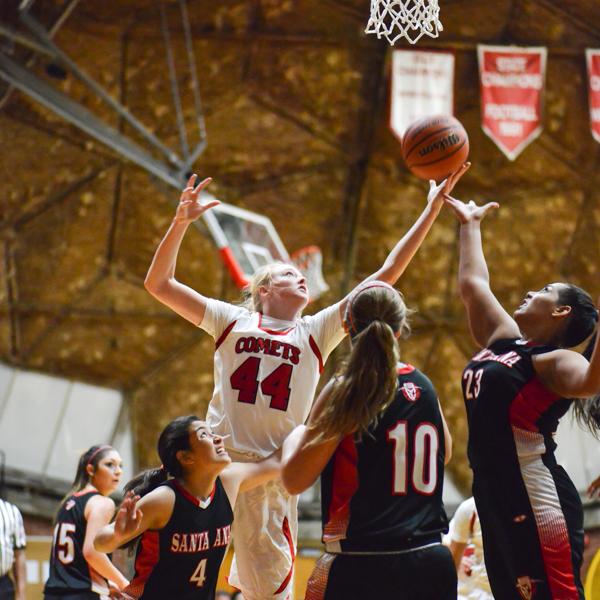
(593, 68)
(422, 84)
(512, 83)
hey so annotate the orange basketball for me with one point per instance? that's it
(435, 146)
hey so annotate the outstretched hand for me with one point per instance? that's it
(467, 212)
(129, 516)
(190, 208)
(437, 191)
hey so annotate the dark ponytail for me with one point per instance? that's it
(587, 411)
(376, 313)
(174, 437)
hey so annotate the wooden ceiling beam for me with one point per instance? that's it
(12, 292)
(54, 311)
(53, 199)
(181, 350)
(372, 95)
(299, 123)
(62, 315)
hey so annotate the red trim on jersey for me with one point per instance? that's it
(271, 331)
(405, 369)
(552, 532)
(344, 486)
(83, 493)
(315, 349)
(288, 536)
(317, 582)
(145, 562)
(472, 523)
(225, 334)
(191, 498)
(529, 405)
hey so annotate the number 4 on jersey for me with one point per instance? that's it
(199, 576)
(276, 385)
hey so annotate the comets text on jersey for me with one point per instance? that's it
(260, 345)
(508, 359)
(188, 543)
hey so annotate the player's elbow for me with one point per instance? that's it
(101, 543)
(468, 286)
(292, 483)
(151, 285)
(90, 552)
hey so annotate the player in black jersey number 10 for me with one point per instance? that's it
(516, 389)
(183, 522)
(77, 570)
(377, 436)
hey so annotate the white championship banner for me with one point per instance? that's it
(593, 70)
(422, 85)
(512, 87)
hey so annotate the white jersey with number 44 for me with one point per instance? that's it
(266, 372)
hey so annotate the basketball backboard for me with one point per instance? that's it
(246, 240)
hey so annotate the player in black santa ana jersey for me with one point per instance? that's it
(184, 522)
(379, 440)
(78, 571)
(516, 389)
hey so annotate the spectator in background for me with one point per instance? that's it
(466, 546)
(12, 553)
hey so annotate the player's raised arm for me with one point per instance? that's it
(487, 319)
(403, 252)
(160, 280)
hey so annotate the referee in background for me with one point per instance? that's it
(12, 548)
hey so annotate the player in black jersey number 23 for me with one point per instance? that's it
(183, 522)
(77, 570)
(516, 389)
(377, 435)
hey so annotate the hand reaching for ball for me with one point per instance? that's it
(437, 191)
(468, 212)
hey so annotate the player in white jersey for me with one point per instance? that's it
(267, 364)
(466, 546)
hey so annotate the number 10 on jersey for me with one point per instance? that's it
(424, 449)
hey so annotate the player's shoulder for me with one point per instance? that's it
(327, 312)
(228, 308)
(99, 500)
(408, 372)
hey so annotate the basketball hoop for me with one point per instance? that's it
(411, 19)
(309, 261)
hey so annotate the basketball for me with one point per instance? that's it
(435, 146)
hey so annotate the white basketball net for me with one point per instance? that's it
(411, 19)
